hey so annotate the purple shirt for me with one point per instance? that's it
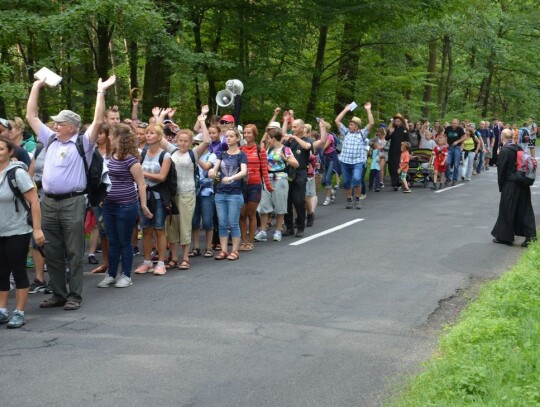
(123, 189)
(63, 171)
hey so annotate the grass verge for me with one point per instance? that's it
(491, 357)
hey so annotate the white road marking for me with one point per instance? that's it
(326, 232)
(448, 188)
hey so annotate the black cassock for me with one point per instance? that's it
(516, 216)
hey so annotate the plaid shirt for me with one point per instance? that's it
(355, 146)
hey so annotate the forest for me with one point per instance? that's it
(428, 59)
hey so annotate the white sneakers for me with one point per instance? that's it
(122, 282)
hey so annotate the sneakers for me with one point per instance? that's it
(357, 204)
(406, 191)
(143, 269)
(363, 196)
(107, 282)
(92, 259)
(349, 204)
(49, 288)
(136, 250)
(277, 236)
(4, 317)
(327, 201)
(37, 286)
(124, 281)
(333, 196)
(160, 270)
(260, 236)
(16, 320)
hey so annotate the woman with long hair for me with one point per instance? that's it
(103, 146)
(257, 174)
(232, 167)
(156, 165)
(121, 205)
(15, 233)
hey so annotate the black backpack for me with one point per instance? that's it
(95, 188)
(12, 182)
(167, 188)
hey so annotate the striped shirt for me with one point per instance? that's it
(123, 189)
(355, 146)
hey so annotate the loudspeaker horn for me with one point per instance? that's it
(235, 86)
(224, 98)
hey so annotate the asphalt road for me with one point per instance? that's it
(333, 321)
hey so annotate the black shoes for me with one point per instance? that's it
(503, 242)
(288, 232)
(527, 241)
(310, 219)
(299, 233)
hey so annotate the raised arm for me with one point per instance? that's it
(277, 111)
(324, 135)
(206, 136)
(134, 109)
(99, 112)
(340, 116)
(371, 120)
(32, 115)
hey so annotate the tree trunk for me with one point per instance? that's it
(407, 94)
(348, 64)
(157, 82)
(133, 57)
(428, 88)
(440, 88)
(104, 32)
(472, 62)
(447, 87)
(317, 72)
(4, 60)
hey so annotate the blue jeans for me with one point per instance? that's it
(454, 155)
(228, 208)
(353, 175)
(158, 220)
(480, 162)
(120, 220)
(328, 171)
(204, 208)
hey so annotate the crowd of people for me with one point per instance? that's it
(234, 183)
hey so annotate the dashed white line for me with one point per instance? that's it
(326, 232)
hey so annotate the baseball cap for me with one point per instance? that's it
(69, 117)
(227, 119)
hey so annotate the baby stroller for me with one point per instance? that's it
(419, 169)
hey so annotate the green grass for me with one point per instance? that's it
(491, 357)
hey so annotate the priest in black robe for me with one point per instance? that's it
(516, 216)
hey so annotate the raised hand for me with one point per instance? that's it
(156, 111)
(367, 106)
(204, 110)
(171, 112)
(277, 111)
(104, 85)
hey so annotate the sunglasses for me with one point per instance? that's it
(5, 123)
(225, 122)
(142, 125)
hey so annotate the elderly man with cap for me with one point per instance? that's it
(64, 181)
(353, 157)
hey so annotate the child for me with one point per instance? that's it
(404, 165)
(438, 160)
(374, 173)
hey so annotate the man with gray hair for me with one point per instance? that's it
(64, 181)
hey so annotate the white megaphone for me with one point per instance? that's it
(235, 86)
(225, 98)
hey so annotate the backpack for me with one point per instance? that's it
(338, 143)
(12, 182)
(525, 168)
(524, 136)
(95, 189)
(196, 175)
(167, 188)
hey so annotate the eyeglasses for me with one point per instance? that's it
(225, 122)
(142, 125)
(5, 123)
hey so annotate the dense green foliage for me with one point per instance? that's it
(435, 59)
(491, 357)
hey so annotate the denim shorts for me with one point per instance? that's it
(158, 221)
(253, 193)
(310, 187)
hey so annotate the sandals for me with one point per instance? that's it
(233, 256)
(221, 255)
(208, 253)
(171, 264)
(196, 252)
(72, 305)
(246, 247)
(184, 265)
(216, 246)
(100, 269)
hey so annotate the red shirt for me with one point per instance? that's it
(255, 165)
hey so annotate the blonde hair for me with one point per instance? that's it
(158, 128)
(19, 123)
